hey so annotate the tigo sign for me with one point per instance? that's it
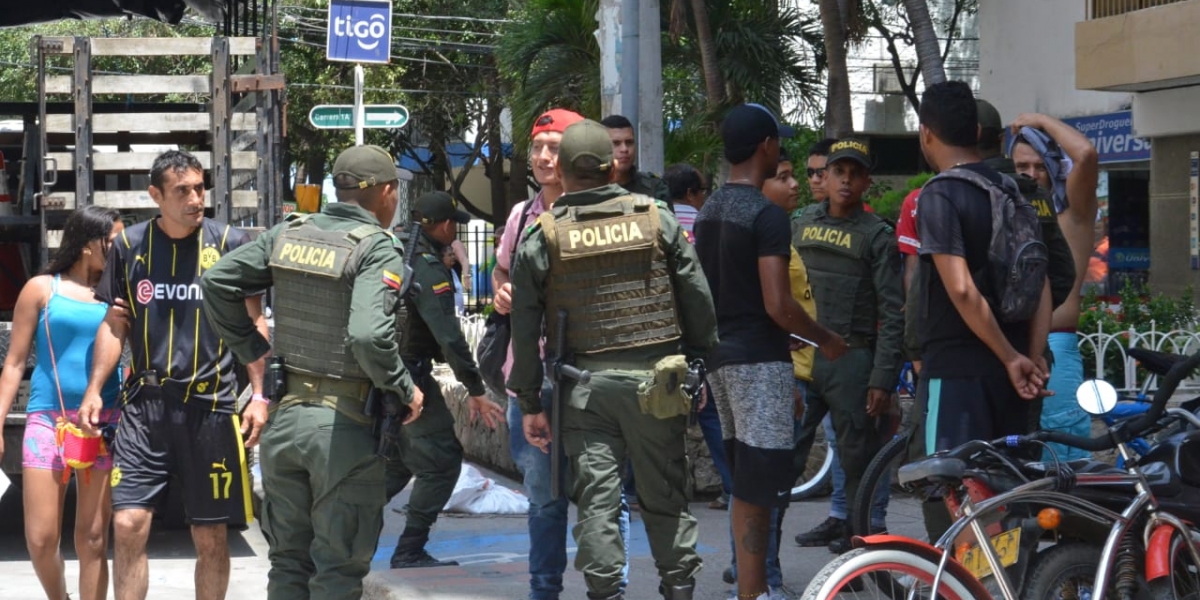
(359, 31)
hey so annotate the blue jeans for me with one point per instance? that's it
(547, 518)
(839, 508)
(710, 426)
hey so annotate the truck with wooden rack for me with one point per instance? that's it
(93, 133)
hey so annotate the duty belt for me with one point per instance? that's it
(859, 340)
(347, 397)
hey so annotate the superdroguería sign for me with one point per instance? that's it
(1112, 135)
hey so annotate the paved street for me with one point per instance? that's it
(492, 551)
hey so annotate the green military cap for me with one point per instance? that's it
(990, 124)
(586, 148)
(366, 166)
(435, 207)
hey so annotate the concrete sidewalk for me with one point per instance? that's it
(493, 553)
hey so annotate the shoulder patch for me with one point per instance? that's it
(392, 280)
(441, 288)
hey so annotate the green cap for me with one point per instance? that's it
(435, 207)
(586, 148)
(989, 117)
(367, 166)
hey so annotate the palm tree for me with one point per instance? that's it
(550, 55)
(929, 56)
(839, 119)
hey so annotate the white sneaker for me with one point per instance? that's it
(780, 593)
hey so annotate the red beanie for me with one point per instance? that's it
(557, 120)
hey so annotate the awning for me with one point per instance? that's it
(169, 11)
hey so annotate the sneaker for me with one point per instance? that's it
(419, 560)
(821, 535)
(733, 595)
(728, 576)
(721, 503)
(780, 593)
(842, 545)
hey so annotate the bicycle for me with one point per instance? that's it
(1090, 515)
(883, 467)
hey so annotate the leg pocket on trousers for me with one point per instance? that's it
(264, 523)
(357, 517)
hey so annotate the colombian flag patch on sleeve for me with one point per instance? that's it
(441, 288)
(391, 279)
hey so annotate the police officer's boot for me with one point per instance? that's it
(410, 552)
(676, 592)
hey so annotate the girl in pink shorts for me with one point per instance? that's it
(56, 317)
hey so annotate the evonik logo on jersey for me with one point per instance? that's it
(148, 290)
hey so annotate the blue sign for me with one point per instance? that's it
(1129, 258)
(1112, 135)
(359, 31)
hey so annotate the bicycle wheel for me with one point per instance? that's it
(886, 461)
(1063, 571)
(1183, 582)
(885, 572)
(817, 480)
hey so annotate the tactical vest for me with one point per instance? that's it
(312, 298)
(609, 272)
(837, 256)
(417, 340)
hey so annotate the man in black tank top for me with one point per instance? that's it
(179, 410)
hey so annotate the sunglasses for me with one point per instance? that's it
(544, 120)
(812, 172)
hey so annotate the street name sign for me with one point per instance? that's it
(341, 116)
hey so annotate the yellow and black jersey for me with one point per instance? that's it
(160, 279)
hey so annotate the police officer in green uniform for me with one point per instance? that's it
(620, 131)
(338, 277)
(428, 450)
(637, 305)
(854, 268)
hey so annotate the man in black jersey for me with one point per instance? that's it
(179, 414)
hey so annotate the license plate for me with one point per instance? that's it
(1007, 545)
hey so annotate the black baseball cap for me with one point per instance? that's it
(850, 149)
(435, 207)
(747, 125)
(367, 166)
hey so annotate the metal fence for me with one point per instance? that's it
(1098, 9)
(1110, 359)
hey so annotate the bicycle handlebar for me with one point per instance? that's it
(1108, 440)
(1125, 431)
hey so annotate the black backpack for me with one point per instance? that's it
(1018, 260)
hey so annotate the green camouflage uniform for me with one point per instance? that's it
(602, 422)
(428, 448)
(323, 486)
(854, 268)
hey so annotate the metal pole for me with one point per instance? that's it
(629, 59)
(650, 111)
(358, 105)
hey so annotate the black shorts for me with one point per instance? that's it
(979, 408)
(158, 438)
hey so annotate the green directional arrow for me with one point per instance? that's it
(387, 116)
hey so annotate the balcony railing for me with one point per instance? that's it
(1098, 9)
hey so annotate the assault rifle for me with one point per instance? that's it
(386, 408)
(560, 371)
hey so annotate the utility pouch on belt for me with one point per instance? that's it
(143, 386)
(663, 397)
